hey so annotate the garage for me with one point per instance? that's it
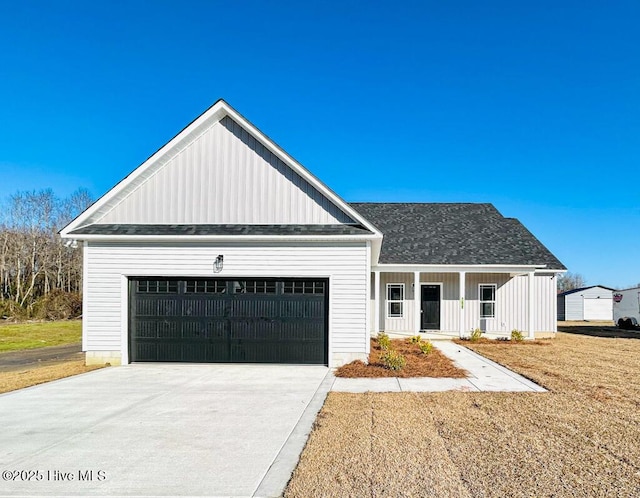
(223, 320)
(586, 303)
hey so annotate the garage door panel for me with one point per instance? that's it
(598, 309)
(224, 320)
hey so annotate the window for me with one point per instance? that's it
(254, 287)
(303, 287)
(157, 286)
(206, 286)
(487, 300)
(395, 300)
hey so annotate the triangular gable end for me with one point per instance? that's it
(220, 170)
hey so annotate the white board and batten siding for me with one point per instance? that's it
(224, 176)
(109, 264)
(512, 297)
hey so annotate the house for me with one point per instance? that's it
(222, 248)
(586, 303)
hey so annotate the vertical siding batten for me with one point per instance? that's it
(511, 302)
(229, 157)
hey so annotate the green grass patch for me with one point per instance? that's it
(19, 336)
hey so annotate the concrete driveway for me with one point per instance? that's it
(160, 429)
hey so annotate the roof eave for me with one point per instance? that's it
(477, 268)
(218, 238)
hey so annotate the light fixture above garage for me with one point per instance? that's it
(217, 264)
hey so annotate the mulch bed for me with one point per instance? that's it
(434, 364)
(483, 340)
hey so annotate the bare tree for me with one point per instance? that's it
(570, 281)
(33, 260)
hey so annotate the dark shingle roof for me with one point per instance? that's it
(450, 234)
(580, 289)
(240, 230)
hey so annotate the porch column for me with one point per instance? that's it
(376, 302)
(463, 281)
(531, 305)
(416, 301)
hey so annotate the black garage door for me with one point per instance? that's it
(224, 320)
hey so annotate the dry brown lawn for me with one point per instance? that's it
(31, 376)
(434, 364)
(580, 439)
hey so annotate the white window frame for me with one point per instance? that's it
(394, 301)
(482, 301)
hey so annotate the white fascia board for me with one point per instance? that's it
(514, 269)
(217, 238)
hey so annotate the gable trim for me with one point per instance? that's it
(198, 126)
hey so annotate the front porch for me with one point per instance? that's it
(451, 302)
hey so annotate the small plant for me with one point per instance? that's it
(516, 335)
(425, 346)
(415, 339)
(475, 335)
(384, 341)
(393, 360)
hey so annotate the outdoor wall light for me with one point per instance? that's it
(217, 264)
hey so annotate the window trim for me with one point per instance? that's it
(393, 301)
(492, 301)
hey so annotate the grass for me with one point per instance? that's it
(580, 439)
(31, 335)
(10, 381)
(435, 364)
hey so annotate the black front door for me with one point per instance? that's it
(430, 313)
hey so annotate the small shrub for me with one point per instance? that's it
(58, 305)
(503, 339)
(425, 346)
(415, 339)
(10, 310)
(393, 360)
(516, 335)
(384, 341)
(475, 335)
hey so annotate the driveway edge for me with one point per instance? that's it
(277, 477)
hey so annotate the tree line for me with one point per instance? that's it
(38, 271)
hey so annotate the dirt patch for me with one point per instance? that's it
(580, 439)
(19, 379)
(434, 364)
(598, 329)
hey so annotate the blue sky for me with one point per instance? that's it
(533, 106)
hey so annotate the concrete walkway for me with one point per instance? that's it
(484, 375)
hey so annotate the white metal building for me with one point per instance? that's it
(586, 303)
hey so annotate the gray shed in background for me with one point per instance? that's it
(586, 303)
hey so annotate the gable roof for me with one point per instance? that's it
(582, 289)
(219, 170)
(454, 234)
